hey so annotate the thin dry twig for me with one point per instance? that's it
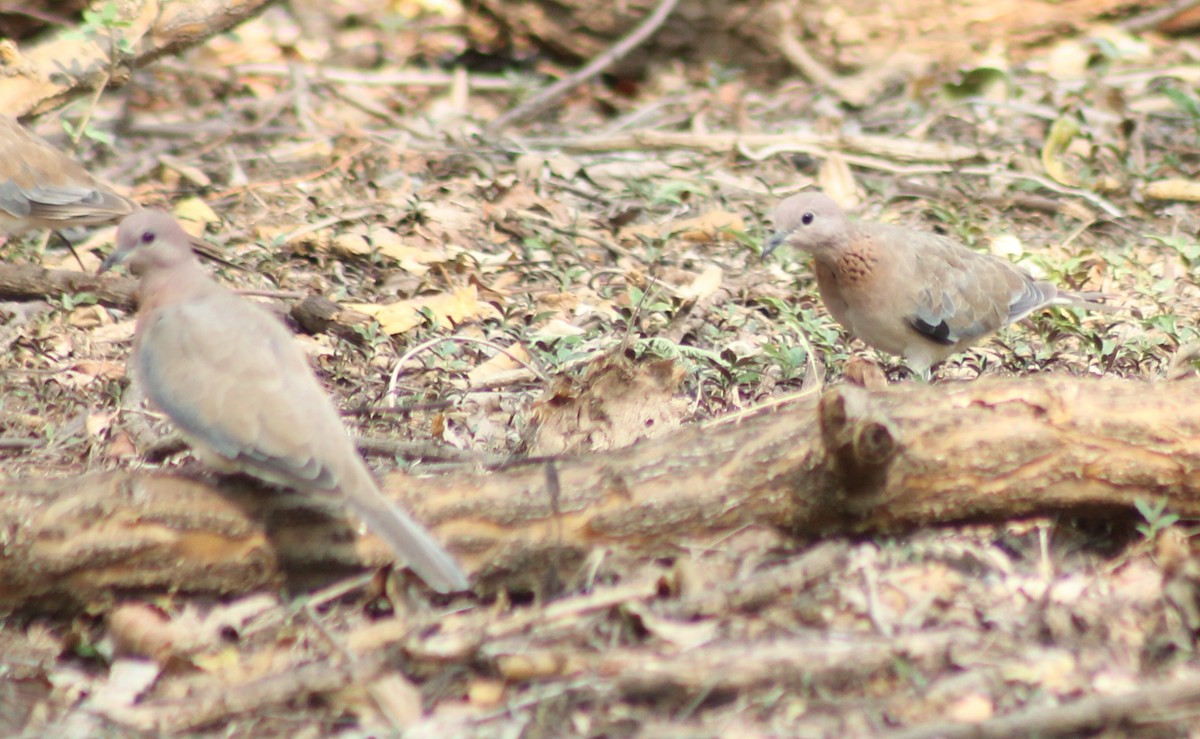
(1152, 18)
(314, 678)
(547, 97)
(401, 78)
(398, 369)
(1049, 184)
(767, 584)
(804, 141)
(1082, 716)
(327, 222)
(425, 450)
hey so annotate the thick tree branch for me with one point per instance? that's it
(852, 461)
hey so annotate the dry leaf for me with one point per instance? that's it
(499, 364)
(398, 698)
(88, 316)
(485, 693)
(411, 258)
(837, 181)
(448, 309)
(615, 404)
(449, 214)
(530, 666)
(972, 708)
(194, 215)
(139, 630)
(1174, 189)
(864, 372)
(528, 167)
(95, 424)
(614, 175)
(707, 227)
(682, 634)
(705, 284)
(127, 680)
(556, 328)
(563, 166)
(350, 245)
(121, 447)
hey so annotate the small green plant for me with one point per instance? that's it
(1187, 249)
(1185, 101)
(1156, 517)
(69, 301)
(104, 22)
(371, 334)
(791, 360)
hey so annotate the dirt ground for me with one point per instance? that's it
(580, 282)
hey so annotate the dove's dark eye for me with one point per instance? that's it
(806, 219)
(147, 237)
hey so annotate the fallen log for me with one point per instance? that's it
(46, 74)
(847, 461)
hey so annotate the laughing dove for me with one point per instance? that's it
(914, 294)
(40, 187)
(230, 376)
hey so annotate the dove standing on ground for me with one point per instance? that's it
(918, 295)
(231, 377)
(41, 187)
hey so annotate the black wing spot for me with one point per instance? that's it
(939, 334)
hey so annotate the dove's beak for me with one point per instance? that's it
(114, 258)
(774, 243)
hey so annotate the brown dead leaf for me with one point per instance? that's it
(528, 167)
(449, 308)
(350, 244)
(615, 174)
(837, 181)
(412, 258)
(972, 708)
(95, 424)
(701, 229)
(708, 227)
(100, 369)
(705, 284)
(1173, 189)
(615, 404)
(397, 698)
(684, 635)
(498, 365)
(449, 215)
(564, 166)
(127, 680)
(139, 630)
(121, 447)
(485, 693)
(532, 665)
(864, 372)
(194, 215)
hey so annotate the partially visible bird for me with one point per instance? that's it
(41, 187)
(231, 377)
(915, 294)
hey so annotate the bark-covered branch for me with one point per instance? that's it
(849, 461)
(44, 75)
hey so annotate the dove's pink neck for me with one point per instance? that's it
(179, 283)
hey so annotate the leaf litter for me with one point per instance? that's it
(616, 268)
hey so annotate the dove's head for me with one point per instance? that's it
(147, 240)
(809, 221)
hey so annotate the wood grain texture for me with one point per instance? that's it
(850, 461)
